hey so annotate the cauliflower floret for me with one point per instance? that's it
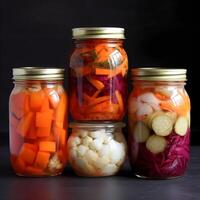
(87, 140)
(55, 164)
(74, 141)
(81, 150)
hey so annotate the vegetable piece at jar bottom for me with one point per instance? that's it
(96, 153)
(172, 162)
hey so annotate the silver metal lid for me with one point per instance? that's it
(98, 33)
(38, 73)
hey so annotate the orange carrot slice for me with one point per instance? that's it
(42, 160)
(98, 100)
(47, 146)
(96, 83)
(19, 104)
(36, 100)
(120, 100)
(95, 95)
(19, 165)
(60, 115)
(13, 120)
(86, 97)
(102, 71)
(45, 105)
(34, 171)
(61, 135)
(43, 131)
(28, 153)
(44, 119)
(25, 124)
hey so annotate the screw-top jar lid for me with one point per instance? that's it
(159, 74)
(38, 73)
(98, 32)
(106, 124)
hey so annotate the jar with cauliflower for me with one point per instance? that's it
(95, 149)
(159, 123)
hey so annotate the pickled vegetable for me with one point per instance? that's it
(159, 124)
(99, 152)
(98, 81)
(38, 129)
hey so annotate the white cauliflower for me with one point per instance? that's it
(99, 153)
(55, 164)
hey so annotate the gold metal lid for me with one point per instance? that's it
(38, 73)
(159, 74)
(98, 32)
(90, 124)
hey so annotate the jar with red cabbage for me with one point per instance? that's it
(98, 74)
(159, 123)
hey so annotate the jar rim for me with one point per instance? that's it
(38, 73)
(99, 124)
(98, 33)
(159, 74)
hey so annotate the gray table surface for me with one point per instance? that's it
(124, 186)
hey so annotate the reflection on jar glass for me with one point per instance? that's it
(38, 122)
(159, 123)
(96, 149)
(98, 74)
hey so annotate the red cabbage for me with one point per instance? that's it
(170, 163)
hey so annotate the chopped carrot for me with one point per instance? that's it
(16, 141)
(98, 100)
(60, 134)
(19, 104)
(161, 96)
(47, 146)
(120, 100)
(36, 100)
(34, 171)
(44, 119)
(42, 159)
(43, 131)
(53, 97)
(25, 124)
(19, 165)
(102, 71)
(45, 105)
(106, 106)
(27, 153)
(13, 120)
(32, 133)
(95, 95)
(96, 83)
(61, 111)
(86, 97)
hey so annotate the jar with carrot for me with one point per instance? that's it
(38, 122)
(159, 123)
(98, 74)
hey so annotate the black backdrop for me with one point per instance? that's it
(38, 33)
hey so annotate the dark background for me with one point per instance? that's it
(38, 33)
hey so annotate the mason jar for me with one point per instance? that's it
(159, 123)
(96, 150)
(98, 74)
(38, 121)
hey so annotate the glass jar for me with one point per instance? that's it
(38, 122)
(96, 150)
(98, 74)
(159, 123)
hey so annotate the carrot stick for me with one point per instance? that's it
(47, 146)
(101, 71)
(98, 100)
(95, 95)
(86, 97)
(120, 100)
(96, 83)
(42, 159)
